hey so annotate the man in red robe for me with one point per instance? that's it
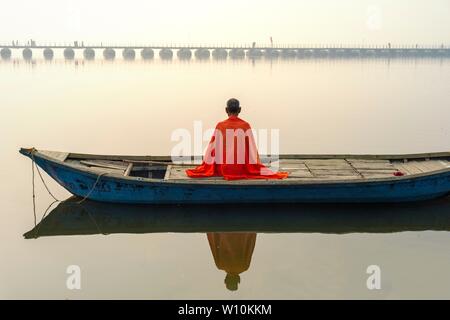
(232, 151)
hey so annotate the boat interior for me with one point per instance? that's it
(303, 168)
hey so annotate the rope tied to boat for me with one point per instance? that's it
(40, 175)
(33, 166)
(93, 187)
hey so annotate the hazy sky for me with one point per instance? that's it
(240, 21)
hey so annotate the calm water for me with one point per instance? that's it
(169, 252)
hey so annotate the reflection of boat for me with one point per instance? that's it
(312, 178)
(90, 217)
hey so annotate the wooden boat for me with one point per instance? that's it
(92, 217)
(313, 178)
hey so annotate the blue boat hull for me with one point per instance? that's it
(114, 189)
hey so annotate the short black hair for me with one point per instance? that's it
(233, 106)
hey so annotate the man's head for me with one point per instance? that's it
(233, 107)
(232, 281)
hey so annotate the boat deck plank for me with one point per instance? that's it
(418, 167)
(298, 169)
(105, 164)
(299, 174)
(334, 172)
(430, 165)
(408, 168)
(61, 156)
(178, 172)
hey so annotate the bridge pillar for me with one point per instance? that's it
(202, 54)
(166, 54)
(5, 53)
(237, 54)
(355, 53)
(254, 53)
(308, 53)
(27, 54)
(147, 53)
(69, 53)
(89, 54)
(184, 54)
(288, 54)
(48, 54)
(220, 54)
(323, 53)
(109, 54)
(128, 54)
(271, 53)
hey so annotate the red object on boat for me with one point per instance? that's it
(398, 174)
(232, 154)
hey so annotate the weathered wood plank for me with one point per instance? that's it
(326, 162)
(291, 161)
(293, 167)
(391, 168)
(374, 166)
(431, 165)
(128, 170)
(328, 172)
(337, 177)
(445, 163)
(168, 172)
(150, 162)
(291, 170)
(300, 174)
(356, 160)
(404, 169)
(111, 162)
(331, 167)
(363, 172)
(61, 156)
(108, 170)
(377, 175)
(413, 167)
(102, 164)
(179, 173)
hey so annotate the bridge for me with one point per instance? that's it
(186, 52)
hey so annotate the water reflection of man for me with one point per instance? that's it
(232, 253)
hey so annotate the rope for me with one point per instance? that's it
(36, 228)
(93, 220)
(34, 165)
(42, 179)
(34, 195)
(93, 187)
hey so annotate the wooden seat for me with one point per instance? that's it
(178, 172)
(417, 167)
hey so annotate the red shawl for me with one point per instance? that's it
(232, 154)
